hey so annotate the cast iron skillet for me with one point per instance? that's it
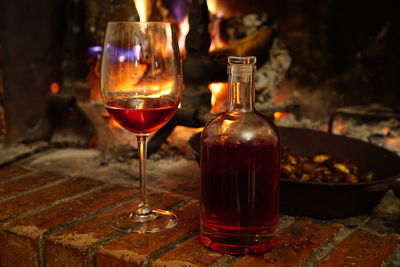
(338, 200)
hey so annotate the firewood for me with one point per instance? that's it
(213, 68)
(255, 44)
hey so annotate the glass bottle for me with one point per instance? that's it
(240, 157)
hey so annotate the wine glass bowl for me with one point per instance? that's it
(141, 86)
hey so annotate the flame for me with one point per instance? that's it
(160, 89)
(386, 131)
(155, 89)
(134, 80)
(341, 128)
(184, 29)
(216, 41)
(279, 115)
(54, 88)
(219, 97)
(212, 7)
(393, 141)
(215, 25)
(143, 8)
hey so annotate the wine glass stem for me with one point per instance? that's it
(143, 207)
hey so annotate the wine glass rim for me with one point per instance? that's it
(140, 22)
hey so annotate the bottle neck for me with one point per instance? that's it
(241, 92)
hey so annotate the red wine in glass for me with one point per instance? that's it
(141, 87)
(240, 196)
(142, 115)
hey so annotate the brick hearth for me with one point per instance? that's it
(53, 219)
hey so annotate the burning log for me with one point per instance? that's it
(211, 67)
(255, 44)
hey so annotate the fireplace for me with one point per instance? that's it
(66, 167)
(314, 58)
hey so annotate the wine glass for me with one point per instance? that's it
(141, 86)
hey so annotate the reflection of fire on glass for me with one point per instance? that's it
(118, 54)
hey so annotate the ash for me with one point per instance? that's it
(270, 75)
(384, 133)
(80, 162)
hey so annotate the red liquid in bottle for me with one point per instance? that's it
(142, 115)
(240, 194)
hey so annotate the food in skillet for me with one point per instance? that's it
(321, 168)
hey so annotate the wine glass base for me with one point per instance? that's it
(156, 221)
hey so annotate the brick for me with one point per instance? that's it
(183, 186)
(71, 246)
(11, 243)
(362, 248)
(135, 248)
(12, 170)
(44, 196)
(296, 243)
(191, 253)
(33, 226)
(26, 183)
(18, 243)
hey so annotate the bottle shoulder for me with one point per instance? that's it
(241, 125)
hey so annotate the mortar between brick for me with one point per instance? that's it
(34, 189)
(169, 247)
(86, 237)
(329, 245)
(228, 260)
(48, 205)
(89, 250)
(19, 176)
(33, 234)
(129, 255)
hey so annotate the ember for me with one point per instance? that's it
(219, 96)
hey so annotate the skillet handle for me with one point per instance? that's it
(395, 186)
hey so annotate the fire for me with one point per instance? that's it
(128, 76)
(160, 89)
(216, 41)
(393, 141)
(155, 89)
(54, 88)
(212, 7)
(341, 128)
(184, 29)
(143, 8)
(386, 131)
(215, 24)
(279, 115)
(219, 96)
